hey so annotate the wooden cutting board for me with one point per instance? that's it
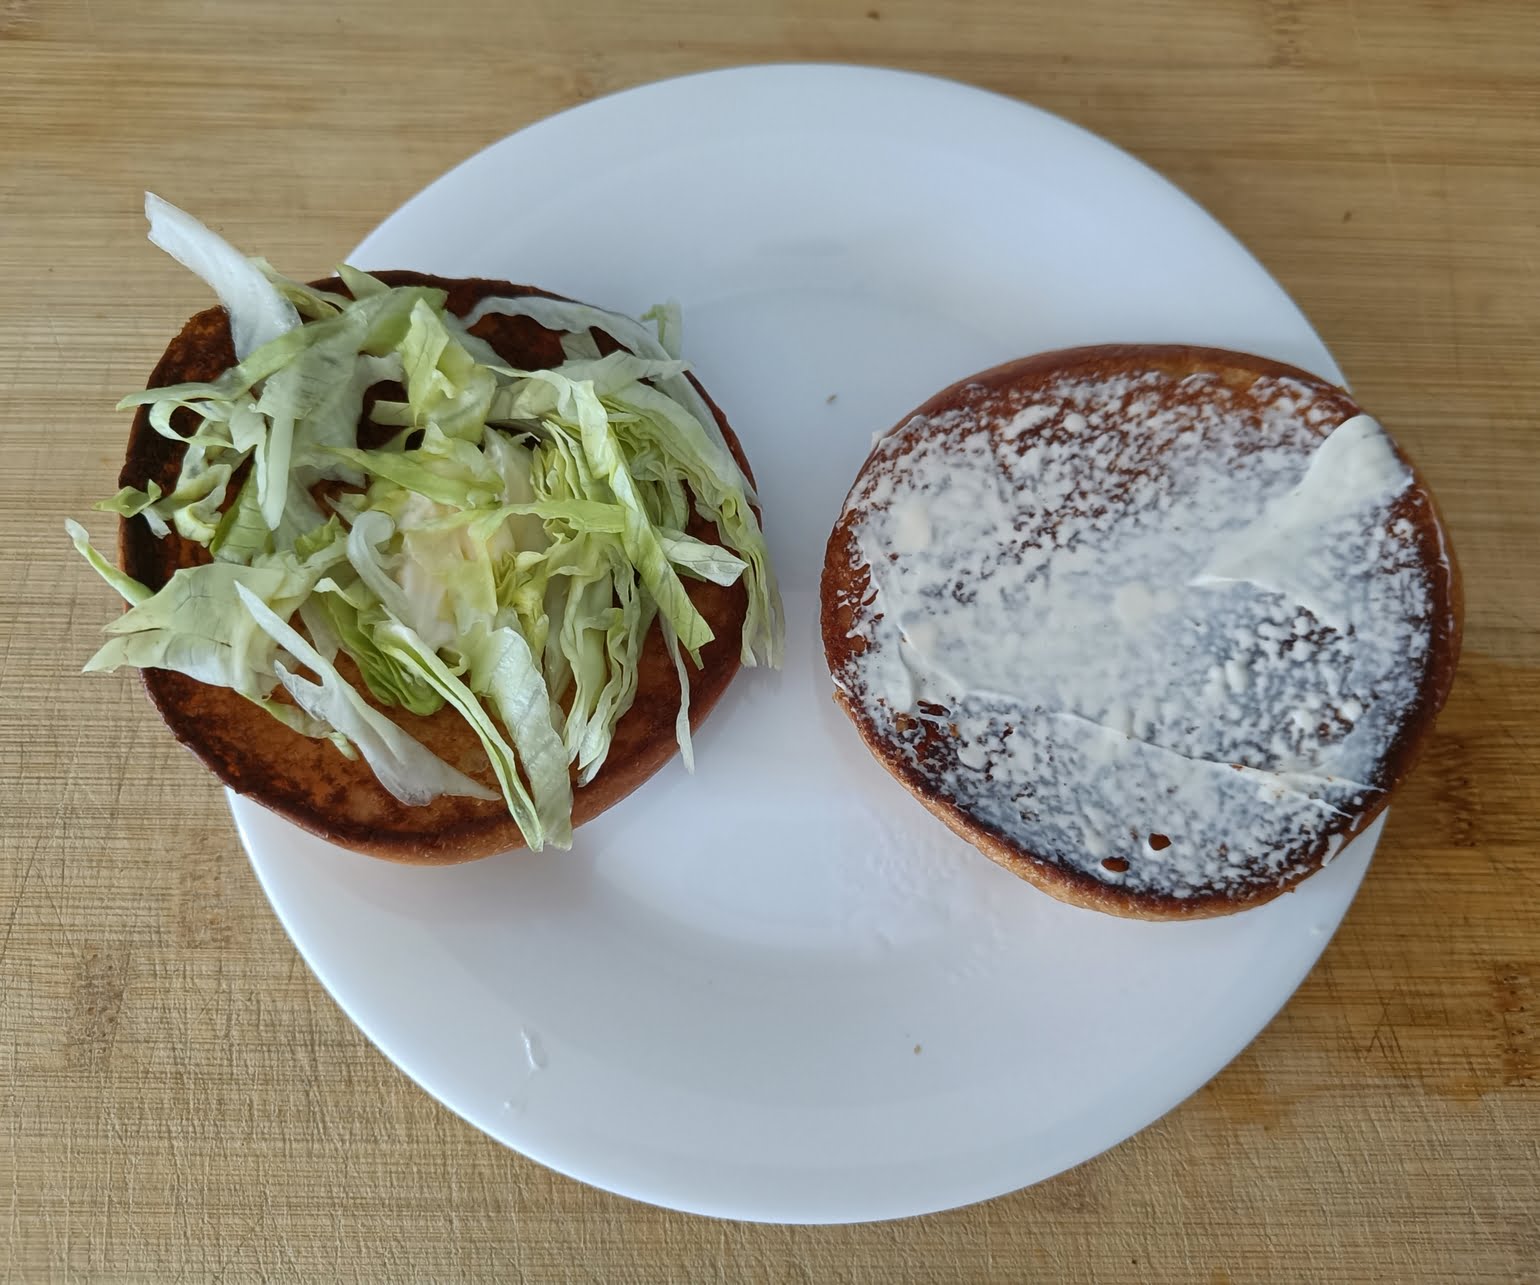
(179, 1100)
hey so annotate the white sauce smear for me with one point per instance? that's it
(1173, 633)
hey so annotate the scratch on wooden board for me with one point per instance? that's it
(12, 634)
(53, 333)
(1456, 788)
(1285, 31)
(1387, 1041)
(1514, 1000)
(1374, 100)
(1494, 716)
(1451, 291)
(21, 895)
(46, 834)
(1385, 1037)
(16, 17)
(96, 1005)
(201, 901)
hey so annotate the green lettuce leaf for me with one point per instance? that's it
(660, 423)
(562, 314)
(374, 565)
(445, 385)
(578, 404)
(504, 671)
(682, 719)
(397, 640)
(297, 720)
(127, 587)
(444, 470)
(310, 303)
(130, 502)
(390, 682)
(404, 766)
(359, 283)
(195, 625)
(240, 533)
(257, 311)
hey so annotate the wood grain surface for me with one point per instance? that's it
(179, 1099)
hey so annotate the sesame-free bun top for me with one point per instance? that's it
(1158, 628)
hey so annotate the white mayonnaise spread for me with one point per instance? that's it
(1170, 631)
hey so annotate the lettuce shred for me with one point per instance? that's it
(505, 555)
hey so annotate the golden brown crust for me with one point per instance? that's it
(308, 781)
(844, 588)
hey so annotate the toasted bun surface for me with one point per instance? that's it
(308, 781)
(1169, 774)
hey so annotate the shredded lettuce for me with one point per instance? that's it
(258, 312)
(317, 729)
(131, 591)
(404, 766)
(562, 314)
(197, 626)
(505, 554)
(504, 672)
(401, 643)
(682, 722)
(351, 629)
(309, 302)
(241, 533)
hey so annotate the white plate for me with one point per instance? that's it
(780, 990)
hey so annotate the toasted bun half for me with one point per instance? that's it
(308, 781)
(1119, 618)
